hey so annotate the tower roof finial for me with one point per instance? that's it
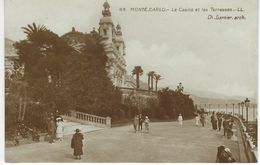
(118, 29)
(106, 11)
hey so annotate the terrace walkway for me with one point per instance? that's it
(166, 142)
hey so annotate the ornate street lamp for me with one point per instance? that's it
(238, 108)
(247, 105)
(242, 105)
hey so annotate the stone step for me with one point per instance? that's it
(70, 129)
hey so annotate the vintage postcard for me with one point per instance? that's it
(131, 81)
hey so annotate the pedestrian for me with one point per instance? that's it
(146, 122)
(140, 123)
(60, 129)
(229, 129)
(225, 123)
(214, 121)
(77, 144)
(219, 151)
(219, 122)
(180, 119)
(135, 122)
(202, 119)
(51, 130)
(226, 156)
(197, 118)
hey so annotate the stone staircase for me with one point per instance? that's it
(70, 127)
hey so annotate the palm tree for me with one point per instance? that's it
(157, 78)
(32, 29)
(138, 71)
(149, 78)
(151, 75)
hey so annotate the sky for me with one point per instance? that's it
(206, 55)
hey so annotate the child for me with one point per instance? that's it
(146, 122)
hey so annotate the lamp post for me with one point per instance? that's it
(247, 105)
(226, 108)
(233, 108)
(238, 108)
(242, 105)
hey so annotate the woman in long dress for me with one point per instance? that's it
(197, 119)
(59, 130)
(146, 122)
(180, 119)
(77, 144)
(136, 122)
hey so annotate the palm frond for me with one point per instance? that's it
(35, 27)
(31, 28)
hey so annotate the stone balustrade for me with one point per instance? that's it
(250, 148)
(84, 118)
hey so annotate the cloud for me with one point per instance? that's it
(161, 58)
(193, 70)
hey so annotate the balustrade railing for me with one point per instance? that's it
(250, 148)
(89, 119)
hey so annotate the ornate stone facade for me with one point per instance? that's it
(114, 47)
(113, 44)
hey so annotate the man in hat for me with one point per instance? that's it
(77, 144)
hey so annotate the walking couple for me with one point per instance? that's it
(138, 123)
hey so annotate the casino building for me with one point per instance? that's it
(113, 44)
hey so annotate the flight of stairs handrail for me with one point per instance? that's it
(88, 119)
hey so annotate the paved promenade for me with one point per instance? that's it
(166, 142)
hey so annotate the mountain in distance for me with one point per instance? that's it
(206, 97)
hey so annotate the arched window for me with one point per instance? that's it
(105, 32)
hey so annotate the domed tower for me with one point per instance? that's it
(106, 27)
(114, 47)
(120, 48)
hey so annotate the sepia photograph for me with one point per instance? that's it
(130, 81)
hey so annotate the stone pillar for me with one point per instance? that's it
(108, 122)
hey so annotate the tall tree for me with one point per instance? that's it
(87, 81)
(31, 30)
(172, 103)
(149, 79)
(151, 74)
(157, 78)
(138, 71)
(43, 55)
